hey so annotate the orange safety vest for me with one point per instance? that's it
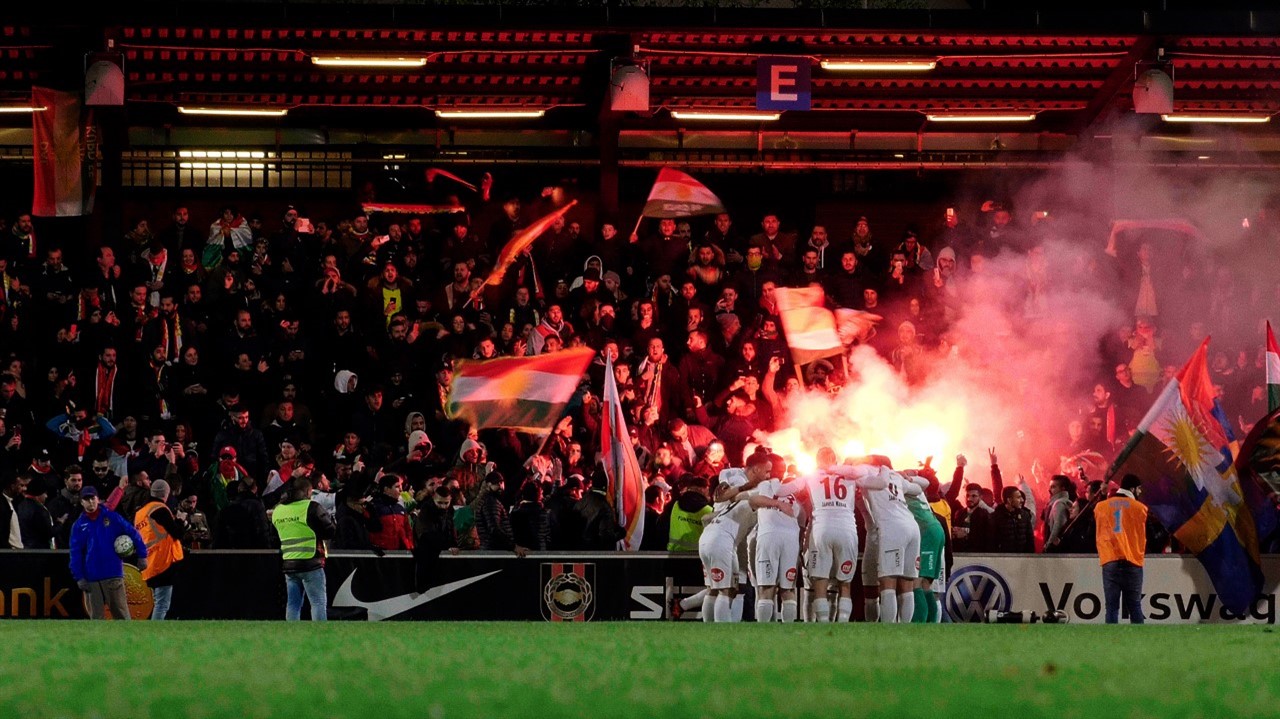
(162, 550)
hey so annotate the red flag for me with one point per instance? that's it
(434, 172)
(521, 242)
(810, 328)
(676, 194)
(65, 155)
(626, 483)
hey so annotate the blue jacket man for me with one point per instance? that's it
(95, 566)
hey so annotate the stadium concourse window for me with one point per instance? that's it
(236, 169)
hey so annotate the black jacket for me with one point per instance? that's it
(1013, 531)
(251, 450)
(530, 525)
(352, 528)
(600, 530)
(657, 528)
(433, 531)
(243, 525)
(564, 522)
(35, 523)
(492, 522)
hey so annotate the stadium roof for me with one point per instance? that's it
(1070, 71)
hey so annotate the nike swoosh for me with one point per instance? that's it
(387, 608)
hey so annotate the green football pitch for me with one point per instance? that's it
(433, 670)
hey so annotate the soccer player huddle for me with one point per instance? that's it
(765, 518)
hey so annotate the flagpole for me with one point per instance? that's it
(545, 441)
(533, 270)
(636, 230)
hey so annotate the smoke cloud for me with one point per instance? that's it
(1036, 326)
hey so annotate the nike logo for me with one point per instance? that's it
(387, 608)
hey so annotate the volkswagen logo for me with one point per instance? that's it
(976, 590)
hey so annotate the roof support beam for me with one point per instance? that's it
(1122, 74)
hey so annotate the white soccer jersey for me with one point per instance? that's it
(776, 520)
(833, 492)
(898, 553)
(734, 519)
(889, 499)
(734, 477)
(718, 545)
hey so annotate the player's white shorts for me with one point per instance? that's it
(776, 556)
(899, 554)
(871, 558)
(719, 560)
(833, 552)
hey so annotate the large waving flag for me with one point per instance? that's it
(1260, 460)
(525, 393)
(626, 483)
(809, 326)
(1273, 371)
(517, 244)
(1183, 452)
(855, 325)
(676, 194)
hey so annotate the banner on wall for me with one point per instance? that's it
(66, 154)
(547, 586)
(37, 584)
(1176, 589)
(599, 586)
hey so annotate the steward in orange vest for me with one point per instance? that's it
(162, 533)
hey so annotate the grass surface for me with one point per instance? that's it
(433, 670)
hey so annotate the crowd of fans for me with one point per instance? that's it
(227, 356)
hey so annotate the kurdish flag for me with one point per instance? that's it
(520, 242)
(626, 483)
(1273, 372)
(676, 194)
(525, 393)
(1183, 452)
(809, 326)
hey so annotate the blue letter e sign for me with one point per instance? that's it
(783, 83)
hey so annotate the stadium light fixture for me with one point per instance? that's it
(878, 64)
(731, 115)
(1238, 119)
(367, 61)
(489, 114)
(980, 116)
(234, 111)
(223, 154)
(222, 166)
